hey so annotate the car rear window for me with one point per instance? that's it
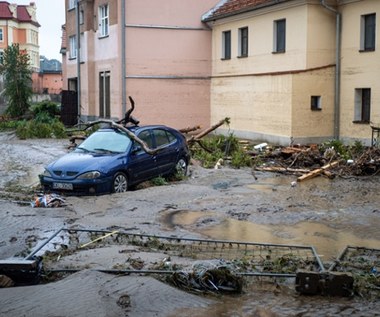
(163, 137)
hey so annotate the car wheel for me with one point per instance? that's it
(120, 183)
(181, 167)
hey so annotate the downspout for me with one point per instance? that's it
(123, 61)
(338, 38)
(78, 60)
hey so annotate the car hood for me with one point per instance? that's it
(78, 163)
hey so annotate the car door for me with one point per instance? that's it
(142, 166)
(167, 156)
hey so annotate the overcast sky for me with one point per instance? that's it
(51, 16)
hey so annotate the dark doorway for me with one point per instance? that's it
(69, 108)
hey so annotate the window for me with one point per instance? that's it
(226, 45)
(81, 16)
(1, 57)
(147, 138)
(368, 32)
(105, 94)
(1, 35)
(316, 103)
(103, 20)
(279, 36)
(34, 37)
(73, 46)
(71, 4)
(362, 105)
(163, 137)
(243, 42)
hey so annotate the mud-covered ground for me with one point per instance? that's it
(224, 204)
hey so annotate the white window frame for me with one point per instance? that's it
(72, 4)
(278, 36)
(243, 42)
(1, 35)
(73, 46)
(359, 115)
(365, 32)
(226, 44)
(104, 20)
(81, 17)
(315, 103)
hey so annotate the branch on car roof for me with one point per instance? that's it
(133, 136)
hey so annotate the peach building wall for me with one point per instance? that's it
(168, 61)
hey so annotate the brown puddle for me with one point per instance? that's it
(328, 242)
(270, 184)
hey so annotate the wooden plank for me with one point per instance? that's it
(317, 171)
(281, 169)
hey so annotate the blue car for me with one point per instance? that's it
(110, 161)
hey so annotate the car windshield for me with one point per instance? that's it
(106, 141)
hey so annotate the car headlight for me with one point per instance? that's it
(46, 173)
(89, 175)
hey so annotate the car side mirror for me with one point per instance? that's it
(136, 148)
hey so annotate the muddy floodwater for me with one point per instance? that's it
(328, 241)
(223, 204)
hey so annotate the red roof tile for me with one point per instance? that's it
(5, 13)
(227, 8)
(23, 14)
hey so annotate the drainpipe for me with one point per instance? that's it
(338, 37)
(123, 61)
(78, 60)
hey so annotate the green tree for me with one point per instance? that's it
(17, 76)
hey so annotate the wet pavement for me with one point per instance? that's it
(218, 204)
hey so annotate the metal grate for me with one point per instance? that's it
(244, 257)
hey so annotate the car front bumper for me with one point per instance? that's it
(76, 187)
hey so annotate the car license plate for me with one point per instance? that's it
(65, 186)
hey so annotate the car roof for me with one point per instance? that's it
(152, 126)
(136, 129)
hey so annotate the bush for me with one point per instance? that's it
(337, 146)
(46, 108)
(40, 130)
(9, 125)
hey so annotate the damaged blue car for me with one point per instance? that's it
(111, 161)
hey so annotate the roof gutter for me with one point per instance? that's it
(338, 37)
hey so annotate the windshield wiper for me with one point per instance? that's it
(105, 151)
(83, 149)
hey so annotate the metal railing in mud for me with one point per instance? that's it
(203, 265)
(243, 258)
(364, 265)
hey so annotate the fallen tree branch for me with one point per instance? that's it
(189, 129)
(207, 131)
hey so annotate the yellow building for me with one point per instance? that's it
(297, 71)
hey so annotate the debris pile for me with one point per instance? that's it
(310, 161)
(48, 201)
(208, 276)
